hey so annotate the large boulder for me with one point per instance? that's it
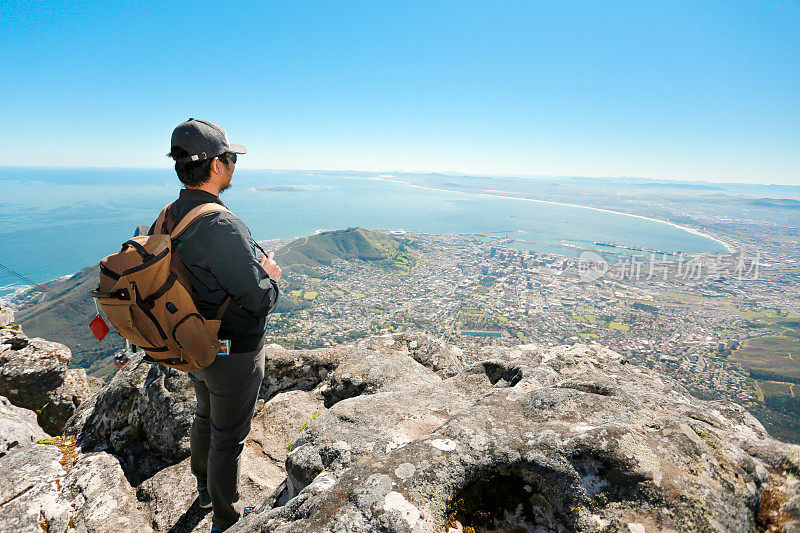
(364, 371)
(536, 438)
(433, 353)
(145, 411)
(34, 375)
(297, 369)
(30, 369)
(18, 427)
(54, 488)
(369, 426)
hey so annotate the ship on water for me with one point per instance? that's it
(634, 248)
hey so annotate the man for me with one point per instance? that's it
(220, 258)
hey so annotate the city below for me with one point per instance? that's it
(726, 326)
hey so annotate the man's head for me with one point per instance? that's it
(202, 153)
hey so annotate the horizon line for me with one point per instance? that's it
(445, 172)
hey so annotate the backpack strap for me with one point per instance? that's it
(159, 227)
(186, 221)
(194, 214)
(223, 307)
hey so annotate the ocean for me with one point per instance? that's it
(56, 221)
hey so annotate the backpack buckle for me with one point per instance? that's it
(120, 294)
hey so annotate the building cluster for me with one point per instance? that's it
(473, 291)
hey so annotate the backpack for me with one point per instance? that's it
(145, 294)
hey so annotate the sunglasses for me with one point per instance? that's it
(232, 157)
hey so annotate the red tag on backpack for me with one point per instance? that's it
(99, 327)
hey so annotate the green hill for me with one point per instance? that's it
(330, 247)
(60, 310)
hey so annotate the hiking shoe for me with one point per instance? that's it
(203, 498)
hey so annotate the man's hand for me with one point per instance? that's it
(271, 266)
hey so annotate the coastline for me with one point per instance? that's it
(18, 290)
(694, 231)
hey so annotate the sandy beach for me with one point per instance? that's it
(694, 231)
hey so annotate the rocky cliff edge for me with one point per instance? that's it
(399, 434)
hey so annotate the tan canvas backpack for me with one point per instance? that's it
(145, 294)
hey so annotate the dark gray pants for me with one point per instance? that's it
(226, 397)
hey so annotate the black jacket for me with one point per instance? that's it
(220, 257)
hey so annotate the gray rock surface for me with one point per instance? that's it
(169, 499)
(30, 369)
(6, 314)
(53, 488)
(536, 438)
(429, 351)
(101, 496)
(145, 409)
(18, 427)
(297, 369)
(29, 492)
(364, 371)
(397, 434)
(34, 375)
(274, 428)
(148, 409)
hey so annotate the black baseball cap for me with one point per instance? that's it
(203, 139)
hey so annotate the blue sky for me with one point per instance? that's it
(682, 90)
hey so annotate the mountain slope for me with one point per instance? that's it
(61, 309)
